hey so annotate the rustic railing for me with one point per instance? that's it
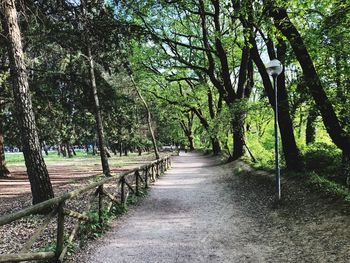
(131, 181)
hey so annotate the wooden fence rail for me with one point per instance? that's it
(129, 181)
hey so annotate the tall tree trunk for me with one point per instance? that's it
(291, 152)
(37, 172)
(187, 128)
(290, 149)
(69, 150)
(310, 132)
(149, 120)
(96, 101)
(238, 114)
(238, 142)
(313, 82)
(98, 116)
(63, 150)
(215, 144)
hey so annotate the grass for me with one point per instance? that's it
(82, 158)
(328, 186)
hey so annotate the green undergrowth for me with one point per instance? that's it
(324, 170)
(325, 185)
(318, 181)
(89, 231)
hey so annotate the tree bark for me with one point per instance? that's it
(37, 172)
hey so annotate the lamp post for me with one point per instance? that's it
(274, 68)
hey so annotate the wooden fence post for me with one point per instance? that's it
(146, 176)
(157, 169)
(137, 175)
(60, 231)
(100, 204)
(122, 191)
(153, 178)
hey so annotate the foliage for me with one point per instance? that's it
(323, 158)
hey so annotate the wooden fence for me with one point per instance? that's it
(131, 181)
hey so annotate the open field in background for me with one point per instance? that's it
(64, 170)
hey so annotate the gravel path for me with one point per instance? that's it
(200, 212)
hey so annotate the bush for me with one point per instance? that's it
(323, 158)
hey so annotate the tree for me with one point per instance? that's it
(149, 119)
(37, 172)
(339, 136)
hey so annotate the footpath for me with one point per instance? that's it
(201, 212)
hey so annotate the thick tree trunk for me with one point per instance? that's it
(73, 150)
(238, 114)
(290, 149)
(190, 142)
(313, 82)
(37, 172)
(238, 142)
(69, 150)
(215, 144)
(125, 151)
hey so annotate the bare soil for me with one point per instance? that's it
(66, 175)
(202, 211)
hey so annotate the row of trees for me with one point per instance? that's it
(198, 64)
(72, 53)
(211, 57)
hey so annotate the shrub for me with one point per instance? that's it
(323, 158)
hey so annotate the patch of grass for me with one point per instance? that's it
(328, 186)
(17, 157)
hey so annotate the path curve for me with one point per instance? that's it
(187, 217)
(204, 212)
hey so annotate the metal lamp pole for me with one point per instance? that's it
(274, 68)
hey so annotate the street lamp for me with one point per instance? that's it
(274, 68)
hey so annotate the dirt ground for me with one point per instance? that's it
(66, 175)
(204, 212)
(15, 191)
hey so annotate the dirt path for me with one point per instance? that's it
(201, 212)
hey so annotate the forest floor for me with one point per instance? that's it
(201, 211)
